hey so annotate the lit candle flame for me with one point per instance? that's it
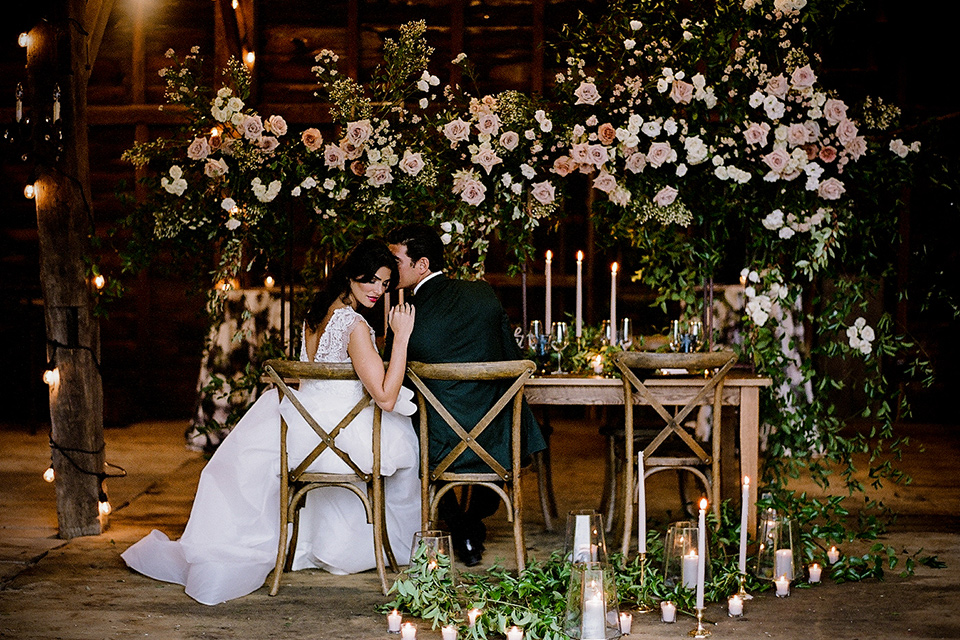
(579, 256)
(51, 376)
(703, 504)
(549, 256)
(614, 268)
(269, 281)
(105, 508)
(49, 475)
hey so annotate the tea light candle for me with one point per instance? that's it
(783, 587)
(393, 621)
(833, 554)
(514, 633)
(814, 573)
(783, 563)
(735, 606)
(472, 616)
(626, 623)
(408, 631)
(690, 562)
(668, 611)
(449, 632)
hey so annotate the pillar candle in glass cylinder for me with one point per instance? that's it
(594, 623)
(626, 623)
(690, 562)
(783, 563)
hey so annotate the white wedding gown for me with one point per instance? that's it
(230, 541)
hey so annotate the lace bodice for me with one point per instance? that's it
(336, 336)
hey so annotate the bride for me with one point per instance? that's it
(230, 541)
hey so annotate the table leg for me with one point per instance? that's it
(750, 446)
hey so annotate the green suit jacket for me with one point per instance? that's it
(463, 321)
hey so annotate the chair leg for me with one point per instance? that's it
(548, 504)
(292, 549)
(376, 489)
(518, 541)
(281, 553)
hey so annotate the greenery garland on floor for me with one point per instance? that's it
(535, 600)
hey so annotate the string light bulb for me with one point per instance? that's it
(269, 281)
(250, 57)
(49, 475)
(104, 508)
(99, 281)
(52, 376)
(24, 40)
(235, 4)
(30, 191)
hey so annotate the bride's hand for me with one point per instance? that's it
(401, 319)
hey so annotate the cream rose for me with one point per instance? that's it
(277, 125)
(756, 133)
(659, 153)
(473, 191)
(777, 160)
(358, 132)
(681, 92)
(486, 158)
(586, 93)
(803, 77)
(252, 127)
(543, 192)
(509, 140)
(412, 163)
(378, 174)
(605, 182)
(334, 157)
(636, 162)
(597, 154)
(835, 111)
(831, 189)
(488, 123)
(198, 149)
(846, 132)
(456, 130)
(665, 196)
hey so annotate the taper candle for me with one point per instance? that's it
(613, 302)
(579, 305)
(701, 551)
(548, 268)
(744, 515)
(641, 506)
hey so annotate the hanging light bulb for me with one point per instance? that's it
(103, 502)
(30, 191)
(269, 281)
(99, 281)
(235, 4)
(24, 40)
(250, 57)
(105, 508)
(49, 475)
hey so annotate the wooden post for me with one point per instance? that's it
(57, 57)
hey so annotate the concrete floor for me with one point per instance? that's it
(80, 589)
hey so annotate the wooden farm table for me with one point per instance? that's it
(738, 390)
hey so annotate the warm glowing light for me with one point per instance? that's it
(269, 281)
(51, 376)
(250, 58)
(29, 192)
(105, 508)
(234, 210)
(703, 504)
(579, 256)
(746, 479)
(24, 40)
(614, 267)
(235, 4)
(549, 255)
(214, 132)
(99, 281)
(49, 475)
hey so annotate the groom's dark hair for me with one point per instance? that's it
(421, 241)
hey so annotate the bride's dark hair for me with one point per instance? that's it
(360, 265)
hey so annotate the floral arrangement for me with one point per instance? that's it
(708, 140)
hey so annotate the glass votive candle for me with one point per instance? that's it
(735, 606)
(668, 611)
(626, 623)
(408, 631)
(783, 586)
(815, 571)
(449, 632)
(833, 554)
(472, 616)
(393, 621)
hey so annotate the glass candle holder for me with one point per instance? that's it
(584, 541)
(680, 555)
(435, 548)
(778, 552)
(592, 605)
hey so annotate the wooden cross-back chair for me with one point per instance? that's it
(695, 459)
(437, 481)
(297, 481)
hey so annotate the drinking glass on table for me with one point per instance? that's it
(559, 339)
(625, 334)
(537, 344)
(695, 329)
(676, 335)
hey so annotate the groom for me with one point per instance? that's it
(460, 321)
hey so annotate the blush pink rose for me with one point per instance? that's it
(665, 196)
(835, 111)
(580, 153)
(268, 143)
(456, 131)
(350, 150)
(681, 92)
(378, 174)
(606, 133)
(828, 153)
(857, 147)
(777, 86)
(564, 165)
(831, 189)
(473, 192)
(312, 139)
(215, 168)
(488, 123)
(334, 157)
(277, 125)
(597, 154)
(777, 160)
(487, 158)
(797, 135)
(586, 93)
(358, 132)
(605, 182)
(757, 133)
(252, 127)
(358, 167)
(198, 149)
(636, 162)
(846, 132)
(659, 153)
(509, 140)
(803, 77)
(543, 192)
(412, 163)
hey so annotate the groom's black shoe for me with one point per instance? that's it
(468, 551)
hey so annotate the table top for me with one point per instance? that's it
(733, 379)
